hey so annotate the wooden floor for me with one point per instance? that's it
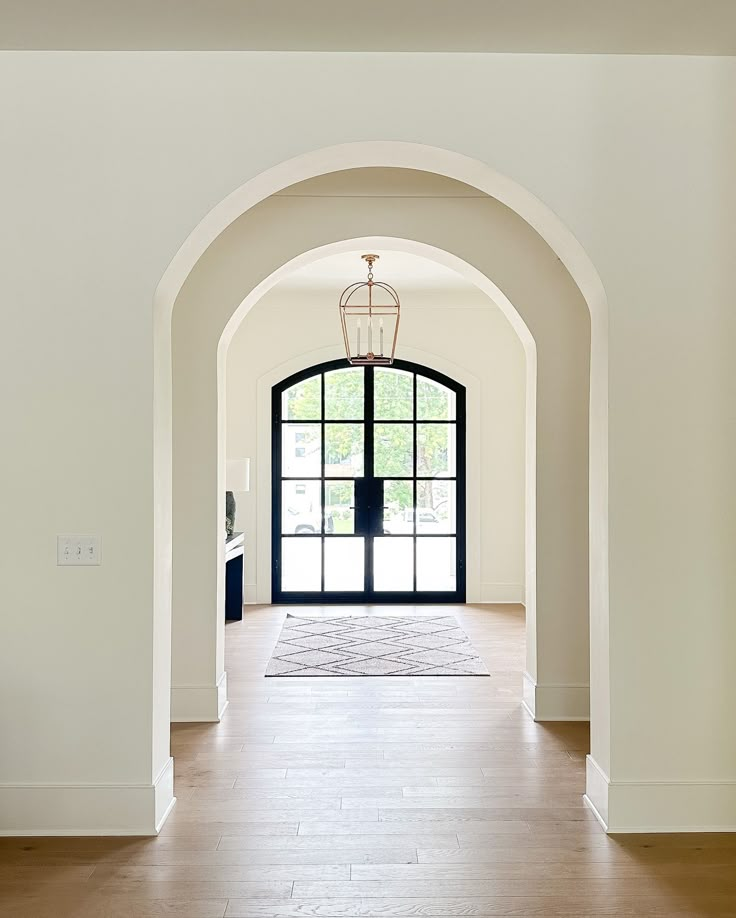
(374, 797)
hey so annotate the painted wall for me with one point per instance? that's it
(110, 160)
(465, 329)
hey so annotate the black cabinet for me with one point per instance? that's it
(234, 550)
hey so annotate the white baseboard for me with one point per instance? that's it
(556, 702)
(87, 809)
(199, 703)
(489, 593)
(163, 792)
(499, 593)
(628, 807)
(596, 790)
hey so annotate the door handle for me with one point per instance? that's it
(368, 506)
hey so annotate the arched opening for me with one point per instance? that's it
(269, 270)
(435, 346)
(368, 486)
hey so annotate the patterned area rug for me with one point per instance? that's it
(374, 646)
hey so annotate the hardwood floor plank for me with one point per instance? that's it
(319, 842)
(519, 785)
(543, 886)
(34, 874)
(96, 905)
(498, 907)
(395, 774)
(533, 870)
(406, 825)
(483, 853)
(298, 795)
(198, 889)
(472, 835)
(273, 809)
(235, 856)
(268, 756)
(225, 873)
(467, 802)
(270, 811)
(484, 814)
(181, 750)
(191, 827)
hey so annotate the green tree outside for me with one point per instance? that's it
(393, 443)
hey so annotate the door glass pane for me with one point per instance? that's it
(393, 564)
(300, 507)
(344, 394)
(393, 395)
(301, 454)
(303, 401)
(398, 507)
(436, 507)
(436, 569)
(344, 564)
(343, 450)
(436, 450)
(339, 507)
(434, 401)
(301, 565)
(393, 450)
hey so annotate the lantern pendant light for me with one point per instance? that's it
(369, 313)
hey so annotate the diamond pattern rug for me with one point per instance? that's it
(372, 646)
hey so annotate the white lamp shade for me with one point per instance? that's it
(237, 475)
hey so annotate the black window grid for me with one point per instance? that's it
(368, 421)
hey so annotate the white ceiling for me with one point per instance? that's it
(400, 269)
(546, 26)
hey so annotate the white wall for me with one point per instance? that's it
(462, 328)
(110, 160)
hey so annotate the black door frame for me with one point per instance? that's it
(333, 597)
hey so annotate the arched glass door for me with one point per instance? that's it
(368, 485)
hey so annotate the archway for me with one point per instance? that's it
(545, 225)
(557, 665)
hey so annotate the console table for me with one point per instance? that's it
(234, 549)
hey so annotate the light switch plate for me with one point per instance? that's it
(78, 550)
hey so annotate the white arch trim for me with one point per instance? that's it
(434, 361)
(398, 154)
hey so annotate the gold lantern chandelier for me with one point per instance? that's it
(369, 313)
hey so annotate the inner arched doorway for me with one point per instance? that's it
(290, 230)
(368, 485)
